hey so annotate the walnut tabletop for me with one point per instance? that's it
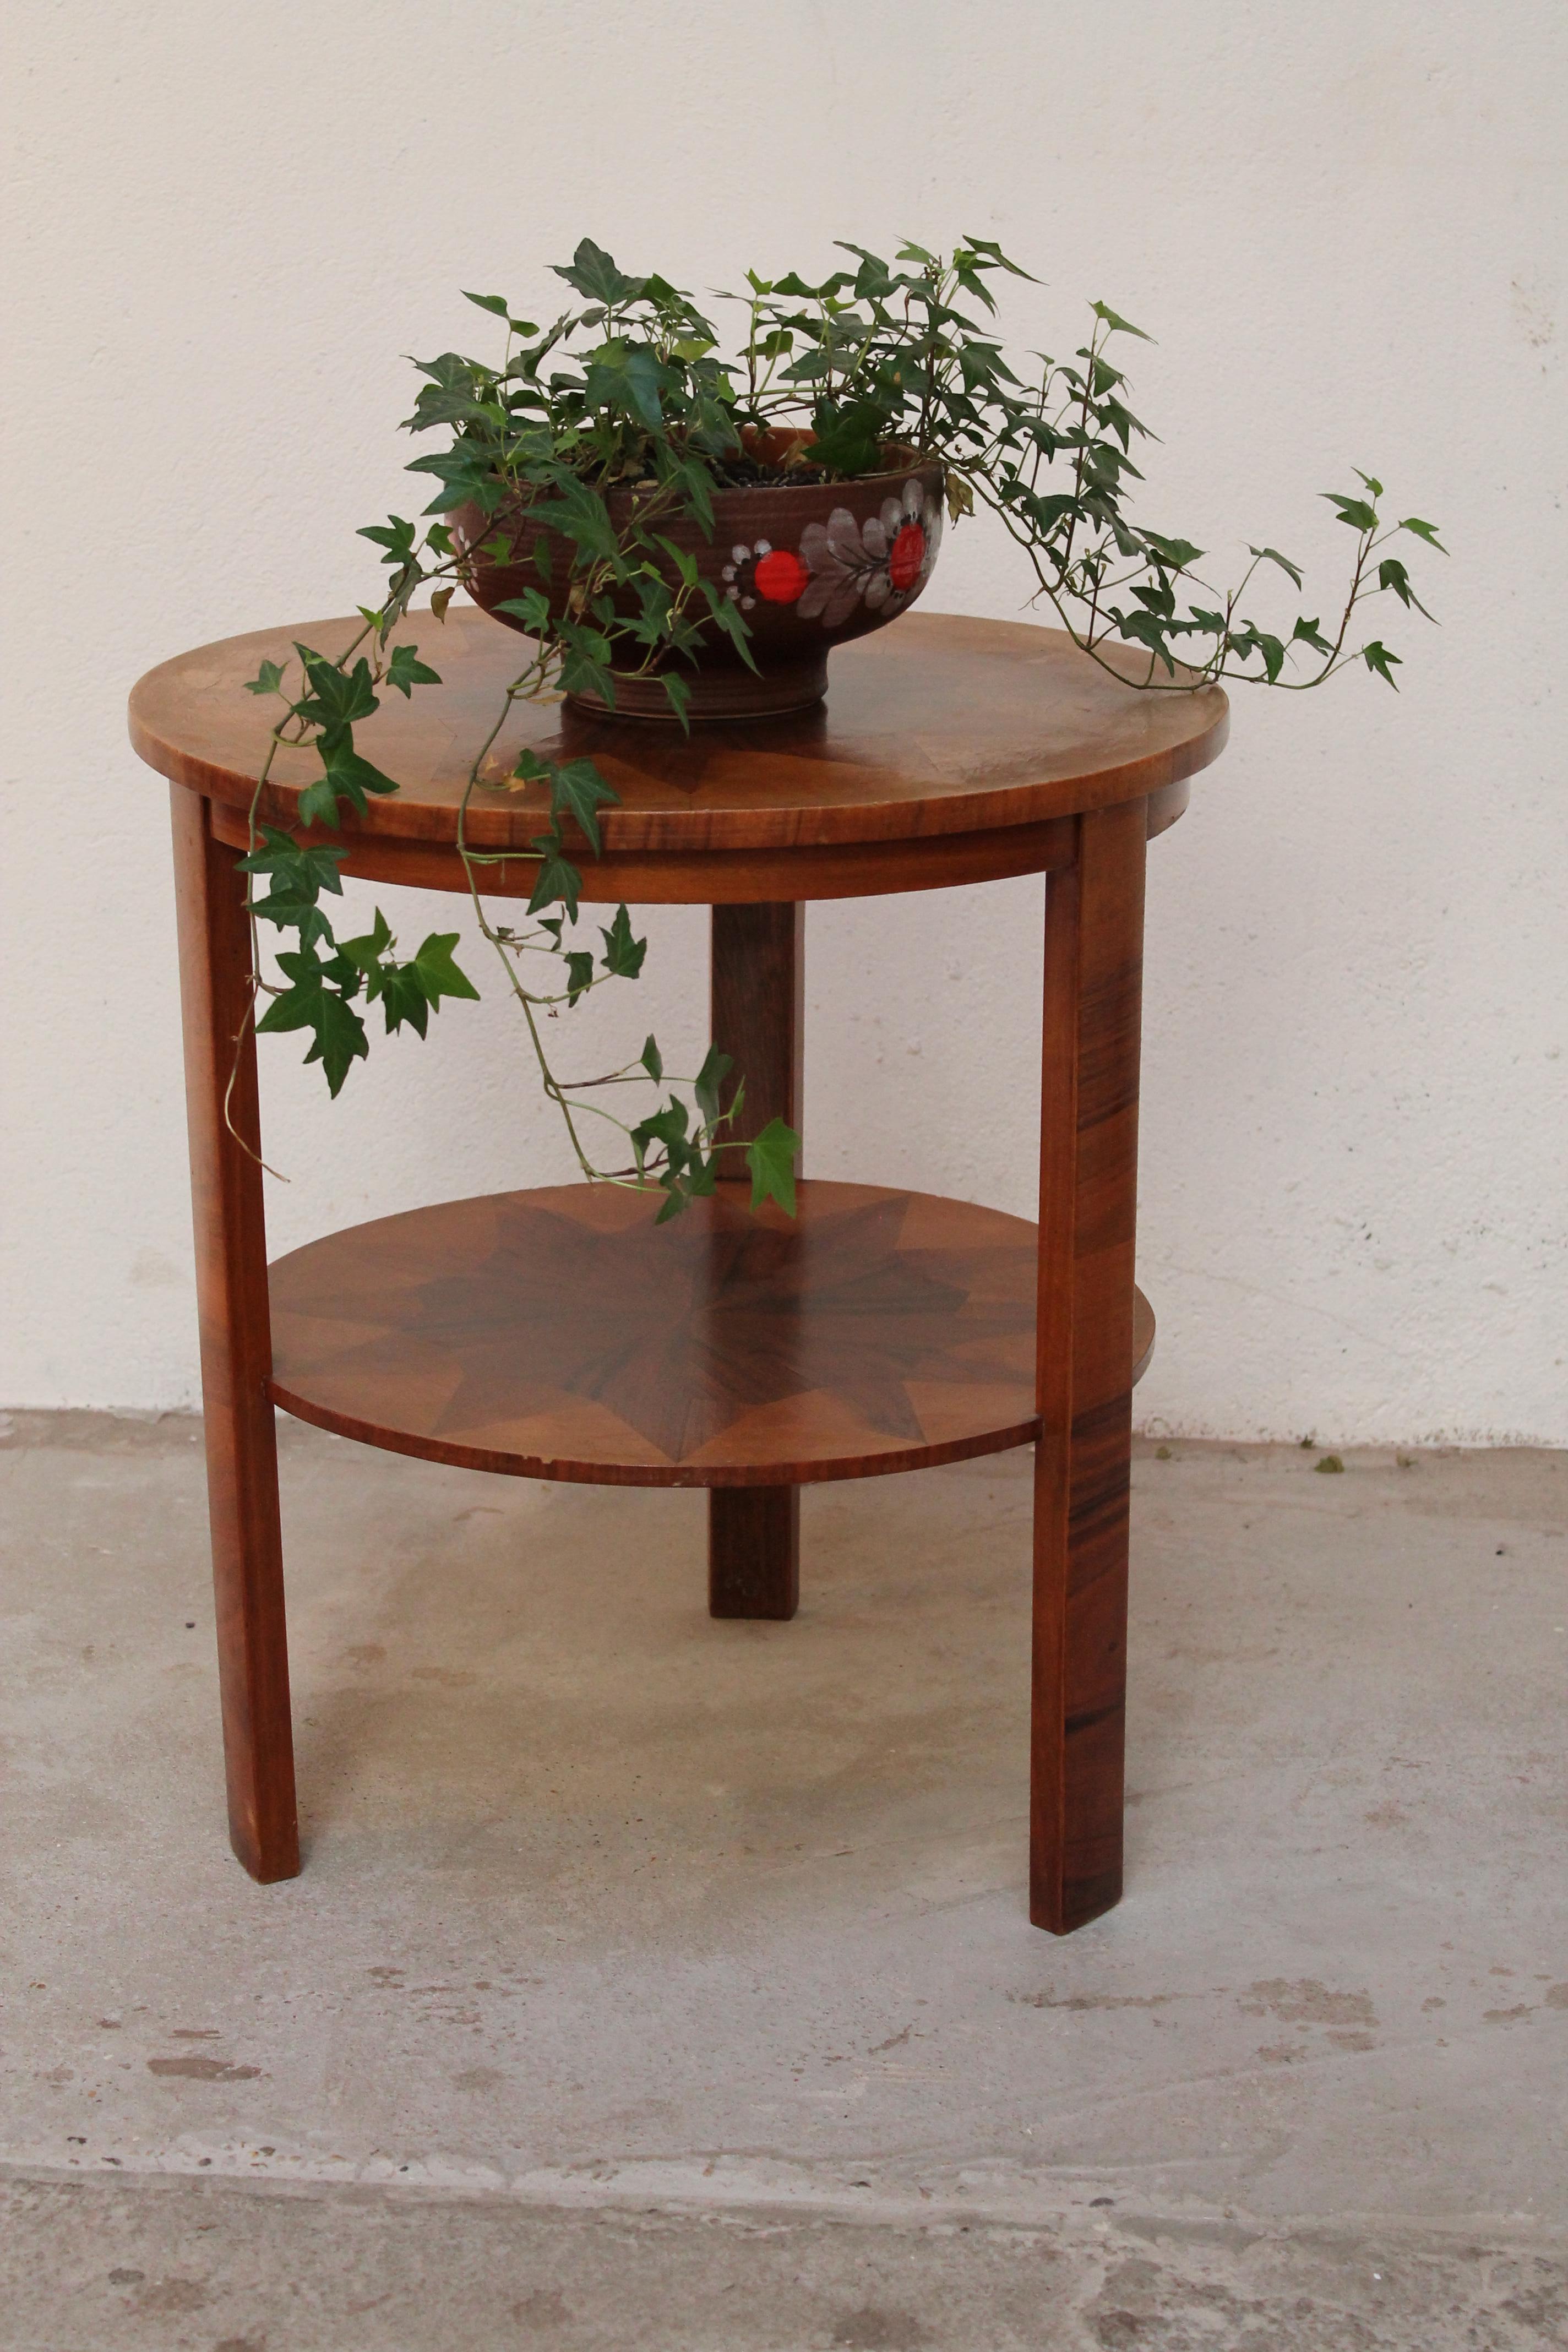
(947, 750)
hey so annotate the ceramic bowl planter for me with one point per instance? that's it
(810, 566)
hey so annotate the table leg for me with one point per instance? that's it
(759, 978)
(236, 1348)
(1089, 1176)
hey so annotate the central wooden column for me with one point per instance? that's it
(758, 1007)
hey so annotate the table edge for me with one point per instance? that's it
(511, 823)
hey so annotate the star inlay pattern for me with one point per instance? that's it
(561, 1333)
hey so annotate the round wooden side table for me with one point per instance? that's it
(557, 1333)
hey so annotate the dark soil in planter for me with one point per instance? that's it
(737, 474)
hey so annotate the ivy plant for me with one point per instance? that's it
(628, 386)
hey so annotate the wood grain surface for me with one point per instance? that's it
(935, 726)
(232, 1302)
(561, 1334)
(713, 878)
(757, 1015)
(557, 1334)
(1087, 1364)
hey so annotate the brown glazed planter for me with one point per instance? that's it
(810, 567)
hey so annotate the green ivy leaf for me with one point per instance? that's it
(1354, 511)
(340, 1038)
(849, 439)
(339, 698)
(294, 1008)
(581, 674)
(967, 272)
(405, 671)
(367, 951)
(653, 1061)
(623, 954)
(1272, 555)
(1273, 654)
(683, 560)
(437, 973)
(1176, 554)
(579, 974)
(1118, 325)
(307, 870)
(1378, 658)
(310, 1004)
(645, 381)
(404, 1000)
(1146, 629)
(292, 910)
(770, 1159)
(728, 618)
(1391, 573)
(268, 678)
(579, 790)
(993, 252)
(667, 1126)
(353, 777)
(558, 878)
(716, 1068)
(684, 1167)
(531, 608)
(595, 275)
(697, 484)
(579, 512)
(466, 478)
(1426, 531)
(318, 803)
(395, 535)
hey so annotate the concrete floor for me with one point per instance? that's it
(662, 1982)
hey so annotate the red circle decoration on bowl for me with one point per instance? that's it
(780, 576)
(906, 556)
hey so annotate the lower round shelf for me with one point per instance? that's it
(559, 1334)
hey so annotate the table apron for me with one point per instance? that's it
(856, 869)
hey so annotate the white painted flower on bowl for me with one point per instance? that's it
(883, 561)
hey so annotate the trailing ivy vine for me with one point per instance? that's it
(628, 388)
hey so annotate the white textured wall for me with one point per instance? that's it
(1345, 224)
